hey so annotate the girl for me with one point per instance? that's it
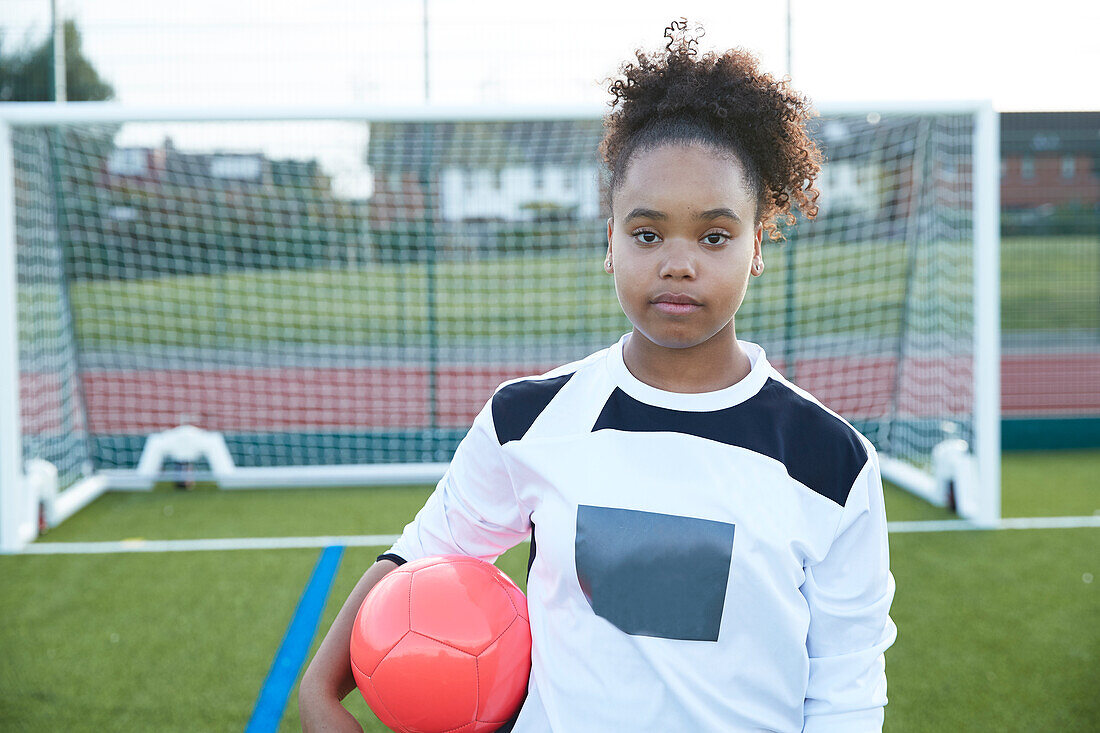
(708, 542)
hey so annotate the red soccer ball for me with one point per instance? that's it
(443, 644)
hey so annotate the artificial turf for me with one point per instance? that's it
(1050, 483)
(205, 512)
(997, 630)
(167, 642)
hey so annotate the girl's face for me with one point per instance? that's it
(681, 240)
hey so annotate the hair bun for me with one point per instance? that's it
(725, 100)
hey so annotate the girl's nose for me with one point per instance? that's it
(678, 262)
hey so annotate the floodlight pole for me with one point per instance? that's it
(789, 313)
(427, 88)
(60, 92)
(788, 37)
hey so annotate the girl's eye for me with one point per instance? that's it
(714, 238)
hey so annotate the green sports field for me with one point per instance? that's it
(1050, 283)
(997, 630)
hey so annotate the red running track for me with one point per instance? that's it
(305, 399)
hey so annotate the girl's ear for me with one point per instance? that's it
(756, 268)
(607, 264)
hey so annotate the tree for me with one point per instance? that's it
(27, 75)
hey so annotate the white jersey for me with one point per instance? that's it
(700, 562)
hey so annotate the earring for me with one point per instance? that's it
(607, 264)
(757, 267)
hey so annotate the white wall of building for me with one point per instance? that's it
(483, 193)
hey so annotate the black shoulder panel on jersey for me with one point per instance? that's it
(818, 449)
(516, 406)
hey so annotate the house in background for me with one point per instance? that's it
(522, 192)
(1050, 171)
(167, 165)
(166, 210)
(485, 186)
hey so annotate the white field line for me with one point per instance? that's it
(385, 540)
(229, 543)
(956, 525)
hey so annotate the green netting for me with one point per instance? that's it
(353, 292)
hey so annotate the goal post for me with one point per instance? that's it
(987, 320)
(326, 296)
(16, 518)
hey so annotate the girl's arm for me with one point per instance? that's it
(328, 678)
(849, 593)
(473, 511)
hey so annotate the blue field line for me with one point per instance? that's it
(271, 703)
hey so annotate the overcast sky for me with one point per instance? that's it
(1041, 56)
(1022, 56)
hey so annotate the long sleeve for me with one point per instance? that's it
(473, 510)
(849, 594)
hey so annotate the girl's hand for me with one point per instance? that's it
(328, 679)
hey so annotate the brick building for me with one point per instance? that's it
(1050, 159)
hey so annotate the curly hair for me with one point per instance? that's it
(724, 101)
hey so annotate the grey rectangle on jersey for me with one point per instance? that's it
(654, 574)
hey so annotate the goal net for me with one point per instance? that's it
(335, 295)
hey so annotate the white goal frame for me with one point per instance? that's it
(22, 508)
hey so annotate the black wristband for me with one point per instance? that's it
(392, 558)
